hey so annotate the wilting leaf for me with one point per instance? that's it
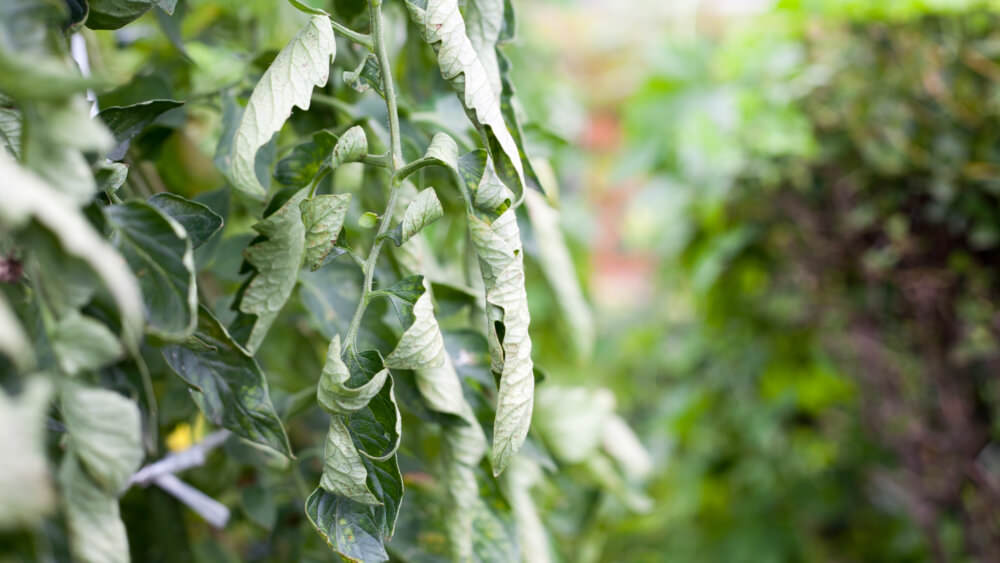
(352, 529)
(198, 220)
(227, 384)
(10, 130)
(104, 433)
(344, 471)
(322, 217)
(26, 197)
(159, 252)
(444, 29)
(367, 76)
(277, 260)
(306, 160)
(14, 342)
(289, 81)
(333, 392)
(110, 176)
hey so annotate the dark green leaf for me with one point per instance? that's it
(159, 252)
(198, 220)
(128, 121)
(227, 384)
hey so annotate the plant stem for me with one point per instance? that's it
(349, 33)
(395, 162)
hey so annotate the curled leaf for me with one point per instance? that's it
(352, 146)
(104, 433)
(289, 81)
(423, 210)
(344, 472)
(323, 217)
(333, 392)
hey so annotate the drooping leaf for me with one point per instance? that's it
(26, 197)
(26, 493)
(498, 246)
(442, 151)
(557, 266)
(289, 81)
(82, 343)
(444, 29)
(344, 471)
(104, 433)
(227, 384)
(96, 531)
(333, 391)
(159, 251)
(277, 260)
(423, 210)
(484, 21)
(323, 217)
(198, 220)
(128, 121)
(378, 426)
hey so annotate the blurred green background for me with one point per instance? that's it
(786, 217)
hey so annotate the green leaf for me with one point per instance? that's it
(306, 160)
(125, 122)
(26, 494)
(344, 471)
(198, 220)
(113, 14)
(323, 217)
(498, 246)
(352, 146)
(14, 342)
(83, 344)
(423, 210)
(104, 433)
(376, 427)
(444, 29)
(289, 81)
(333, 392)
(367, 76)
(352, 529)
(277, 260)
(159, 252)
(227, 384)
(557, 266)
(96, 531)
(26, 197)
(442, 151)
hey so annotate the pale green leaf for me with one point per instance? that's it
(367, 76)
(557, 266)
(10, 130)
(159, 251)
(333, 392)
(423, 210)
(96, 531)
(110, 176)
(26, 493)
(344, 472)
(289, 81)
(14, 342)
(277, 260)
(572, 420)
(498, 246)
(484, 21)
(623, 446)
(104, 433)
(26, 196)
(227, 384)
(82, 343)
(323, 217)
(352, 146)
(532, 537)
(442, 26)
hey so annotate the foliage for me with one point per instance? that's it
(826, 339)
(283, 228)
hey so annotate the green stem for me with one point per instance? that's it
(395, 162)
(336, 104)
(360, 38)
